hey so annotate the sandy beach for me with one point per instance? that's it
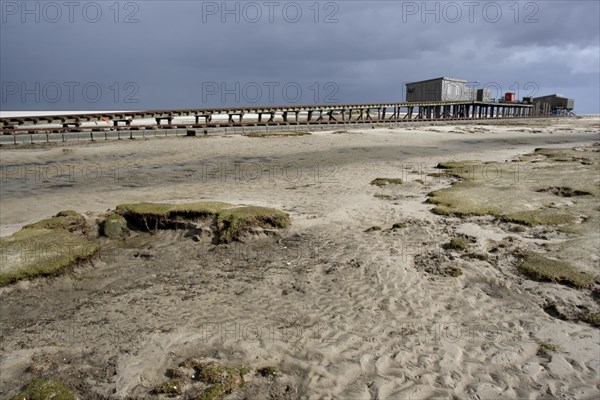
(357, 299)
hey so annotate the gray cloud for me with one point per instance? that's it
(177, 48)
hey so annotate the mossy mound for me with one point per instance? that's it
(213, 373)
(190, 210)
(45, 248)
(172, 387)
(208, 379)
(215, 380)
(545, 349)
(69, 220)
(230, 221)
(45, 389)
(154, 216)
(539, 267)
(115, 226)
(386, 181)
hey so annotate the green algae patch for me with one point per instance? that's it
(386, 181)
(232, 222)
(33, 252)
(539, 267)
(553, 191)
(46, 389)
(538, 217)
(525, 191)
(464, 199)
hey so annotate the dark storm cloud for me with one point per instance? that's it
(166, 54)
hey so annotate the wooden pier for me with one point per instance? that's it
(330, 114)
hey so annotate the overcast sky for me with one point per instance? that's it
(195, 54)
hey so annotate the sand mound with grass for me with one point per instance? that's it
(46, 248)
(53, 245)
